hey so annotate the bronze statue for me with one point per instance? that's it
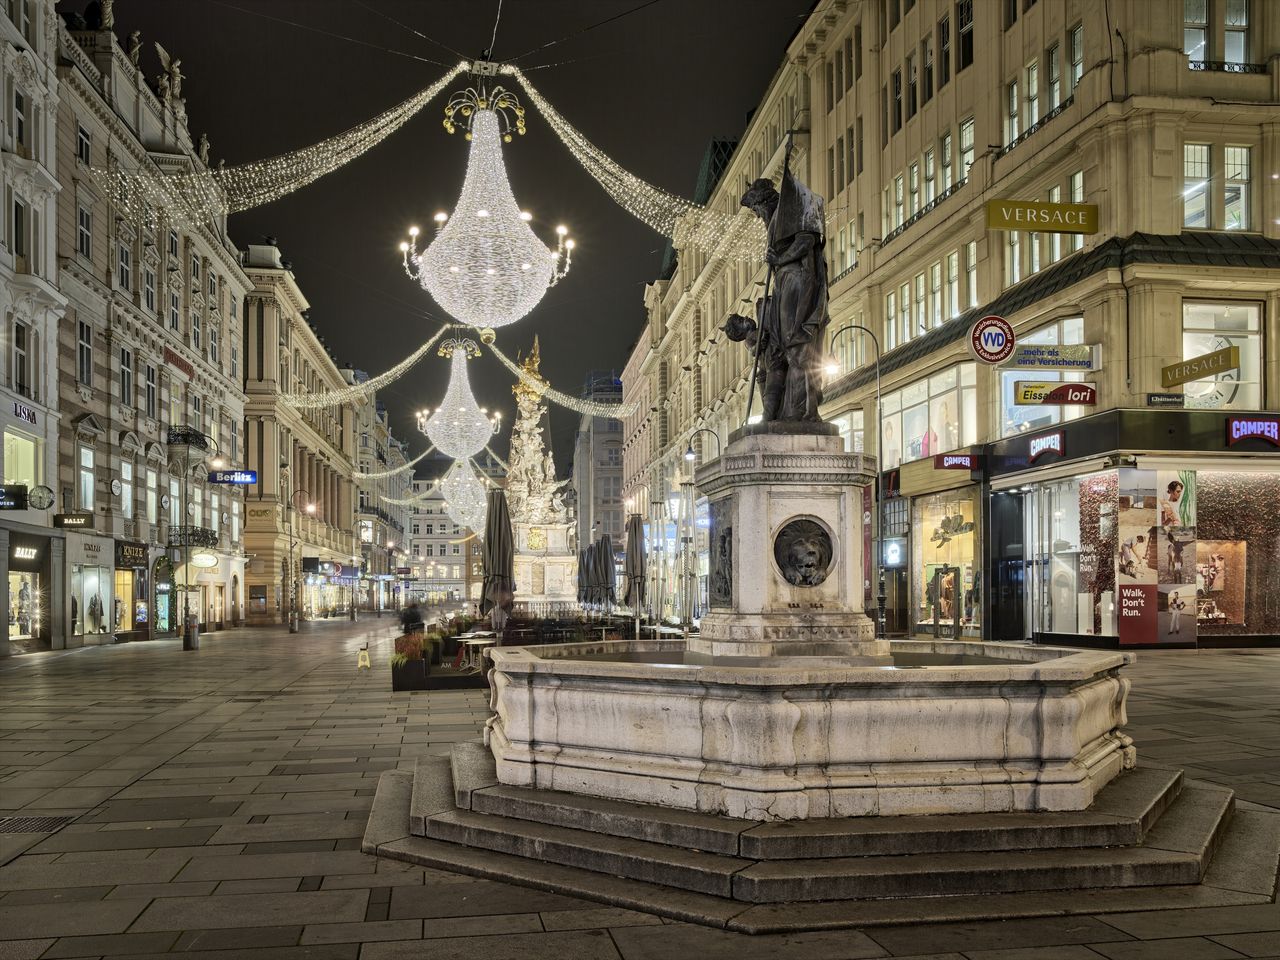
(792, 318)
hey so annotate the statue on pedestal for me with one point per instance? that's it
(791, 319)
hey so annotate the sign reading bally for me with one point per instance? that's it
(233, 476)
(1029, 393)
(1041, 216)
(1197, 368)
(991, 339)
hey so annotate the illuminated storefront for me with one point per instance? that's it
(131, 609)
(1139, 528)
(28, 596)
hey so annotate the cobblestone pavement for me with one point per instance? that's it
(219, 797)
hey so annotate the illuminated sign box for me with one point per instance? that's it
(1029, 393)
(233, 476)
(1197, 368)
(73, 521)
(1042, 216)
(13, 496)
(1253, 427)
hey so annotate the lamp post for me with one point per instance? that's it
(309, 508)
(182, 442)
(355, 578)
(689, 502)
(880, 467)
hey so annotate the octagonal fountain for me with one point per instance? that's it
(787, 707)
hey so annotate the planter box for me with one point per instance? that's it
(411, 676)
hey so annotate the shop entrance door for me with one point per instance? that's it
(948, 602)
(1043, 507)
(219, 605)
(895, 591)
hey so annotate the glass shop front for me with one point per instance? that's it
(29, 579)
(1140, 547)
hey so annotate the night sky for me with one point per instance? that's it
(651, 89)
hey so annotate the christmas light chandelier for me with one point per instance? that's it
(459, 428)
(464, 496)
(485, 265)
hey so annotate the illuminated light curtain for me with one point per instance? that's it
(383, 474)
(591, 407)
(739, 235)
(459, 428)
(361, 391)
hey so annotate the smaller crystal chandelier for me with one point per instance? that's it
(485, 265)
(465, 496)
(459, 428)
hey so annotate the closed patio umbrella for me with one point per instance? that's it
(608, 572)
(498, 594)
(633, 568)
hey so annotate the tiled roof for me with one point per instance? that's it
(1201, 248)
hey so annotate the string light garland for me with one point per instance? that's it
(592, 408)
(361, 391)
(485, 265)
(384, 474)
(739, 236)
(459, 428)
(190, 199)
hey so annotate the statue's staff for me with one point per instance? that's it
(764, 303)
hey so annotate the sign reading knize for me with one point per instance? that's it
(1041, 216)
(1197, 368)
(991, 339)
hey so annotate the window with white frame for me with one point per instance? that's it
(971, 271)
(1055, 239)
(1033, 93)
(1076, 185)
(175, 310)
(1017, 418)
(953, 284)
(890, 320)
(933, 415)
(196, 419)
(921, 307)
(84, 232)
(235, 441)
(125, 263)
(1053, 65)
(1235, 39)
(235, 359)
(173, 243)
(83, 145)
(85, 487)
(149, 289)
(1011, 124)
(935, 294)
(904, 312)
(930, 178)
(21, 131)
(1196, 171)
(1075, 46)
(149, 391)
(966, 147)
(153, 515)
(899, 201)
(22, 458)
(1209, 327)
(126, 377)
(1236, 207)
(1013, 258)
(84, 354)
(213, 344)
(195, 267)
(175, 506)
(126, 489)
(195, 330)
(913, 181)
(946, 158)
(22, 245)
(235, 521)
(23, 361)
(851, 430)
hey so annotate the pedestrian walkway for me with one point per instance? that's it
(220, 795)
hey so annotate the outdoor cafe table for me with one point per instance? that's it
(473, 645)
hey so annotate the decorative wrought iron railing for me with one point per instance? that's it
(1224, 66)
(1037, 126)
(923, 211)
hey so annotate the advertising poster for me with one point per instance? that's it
(1220, 580)
(1176, 622)
(1137, 616)
(1136, 550)
(1179, 594)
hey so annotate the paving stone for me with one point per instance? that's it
(600, 917)
(310, 827)
(1069, 952)
(125, 839)
(1204, 922)
(332, 951)
(238, 938)
(264, 885)
(475, 899)
(69, 919)
(1251, 944)
(23, 949)
(23, 876)
(441, 927)
(1183, 948)
(686, 940)
(114, 944)
(150, 891)
(255, 866)
(64, 895)
(362, 932)
(253, 910)
(966, 937)
(580, 945)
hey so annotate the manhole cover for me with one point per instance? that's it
(33, 824)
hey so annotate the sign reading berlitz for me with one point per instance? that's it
(957, 461)
(1047, 443)
(1042, 216)
(1253, 427)
(1197, 368)
(1027, 393)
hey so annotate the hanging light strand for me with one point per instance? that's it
(361, 391)
(590, 407)
(502, 463)
(739, 236)
(396, 471)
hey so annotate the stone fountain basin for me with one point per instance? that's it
(951, 727)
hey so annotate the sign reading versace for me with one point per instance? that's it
(1041, 216)
(1198, 368)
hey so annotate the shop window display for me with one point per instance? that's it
(946, 581)
(26, 606)
(1237, 554)
(91, 599)
(932, 415)
(130, 606)
(1015, 419)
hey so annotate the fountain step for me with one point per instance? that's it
(1243, 873)
(617, 856)
(1125, 810)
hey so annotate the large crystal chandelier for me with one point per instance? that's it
(459, 428)
(486, 266)
(464, 496)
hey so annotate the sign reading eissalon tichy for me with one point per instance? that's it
(1042, 216)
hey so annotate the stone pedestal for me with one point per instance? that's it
(545, 566)
(786, 568)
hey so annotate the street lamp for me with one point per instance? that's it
(355, 577)
(880, 467)
(184, 443)
(689, 454)
(309, 508)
